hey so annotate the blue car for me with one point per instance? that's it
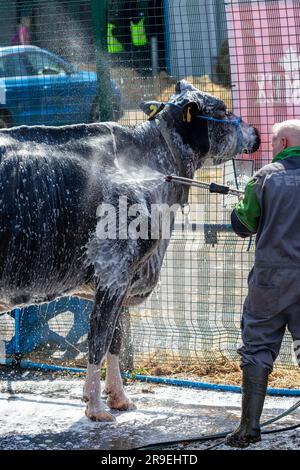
(38, 87)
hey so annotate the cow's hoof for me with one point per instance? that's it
(100, 415)
(120, 403)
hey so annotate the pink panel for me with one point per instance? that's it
(264, 40)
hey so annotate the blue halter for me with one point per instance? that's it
(235, 122)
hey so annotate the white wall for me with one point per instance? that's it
(194, 36)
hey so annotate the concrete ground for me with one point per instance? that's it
(40, 411)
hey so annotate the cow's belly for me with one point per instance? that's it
(136, 300)
(42, 265)
(146, 278)
(22, 299)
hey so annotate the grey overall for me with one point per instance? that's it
(273, 301)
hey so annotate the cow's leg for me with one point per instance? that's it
(117, 399)
(107, 307)
(102, 325)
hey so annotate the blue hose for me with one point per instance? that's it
(209, 386)
(36, 365)
(159, 380)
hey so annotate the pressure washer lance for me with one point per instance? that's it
(212, 187)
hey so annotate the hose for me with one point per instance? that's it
(272, 431)
(209, 437)
(213, 437)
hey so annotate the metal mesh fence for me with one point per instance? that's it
(65, 62)
(193, 317)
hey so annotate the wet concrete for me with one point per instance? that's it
(39, 411)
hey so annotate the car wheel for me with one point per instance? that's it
(95, 112)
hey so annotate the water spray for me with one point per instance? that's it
(212, 187)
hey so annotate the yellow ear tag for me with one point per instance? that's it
(153, 109)
(187, 117)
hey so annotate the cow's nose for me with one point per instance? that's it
(256, 143)
(256, 131)
(257, 140)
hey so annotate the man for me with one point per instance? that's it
(271, 209)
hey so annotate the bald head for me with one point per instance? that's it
(285, 134)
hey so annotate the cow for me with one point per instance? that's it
(56, 187)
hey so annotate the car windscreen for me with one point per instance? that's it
(44, 64)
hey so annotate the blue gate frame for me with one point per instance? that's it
(32, 330)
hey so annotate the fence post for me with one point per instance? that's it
(100, 14)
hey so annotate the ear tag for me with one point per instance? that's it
(154, 110)
(187, 117)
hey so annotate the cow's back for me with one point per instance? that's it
(46, 210)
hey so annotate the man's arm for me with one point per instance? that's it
(246, 214)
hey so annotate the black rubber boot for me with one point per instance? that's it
(255, 381)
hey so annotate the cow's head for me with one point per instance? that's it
(205, 124)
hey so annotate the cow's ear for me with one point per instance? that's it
(152, 108)
(184, 85)
(189, 111)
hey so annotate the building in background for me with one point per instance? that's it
(194, 37)
(64, 27)
(187, 34)
(132, 24)
(190, 35)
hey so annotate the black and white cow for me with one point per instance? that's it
(53, 182)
